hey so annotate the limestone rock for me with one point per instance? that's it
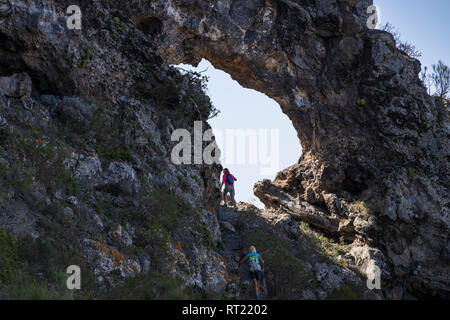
(121, 176)
(17, 86)
(332, 277)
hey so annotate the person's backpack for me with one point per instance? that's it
(230, 179)
(253, 261)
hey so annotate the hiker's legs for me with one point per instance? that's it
(232, 197)
(224, 196)
(256, 283)
(233, 201)
(228, 193)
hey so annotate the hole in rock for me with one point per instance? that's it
(355, 180)
(258, 139)
(149, 25)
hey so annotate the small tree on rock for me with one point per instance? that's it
(441, 79)
(406, 47)
(426, 79)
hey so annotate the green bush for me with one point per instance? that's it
(166, 95)
(50, 260)
(113, 153)
(361, 102)
(14, 280)
(26, 288)
(165, 208)
(196, 178)
(345, 292)
(9, 263)
(151, 286)
(45, 156)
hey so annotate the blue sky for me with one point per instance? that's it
(248, 109)
(422, 23)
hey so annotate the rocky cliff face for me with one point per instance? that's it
(86, 118)
(375, 146)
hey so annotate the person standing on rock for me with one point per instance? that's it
(256, 263)
(228, 179)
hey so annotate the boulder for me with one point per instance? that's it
(18, 85)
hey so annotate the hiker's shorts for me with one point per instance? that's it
(230, 190)
(255, 275)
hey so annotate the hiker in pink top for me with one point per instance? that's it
(228, 179)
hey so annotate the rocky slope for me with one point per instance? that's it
(86, 177)
(300, 263)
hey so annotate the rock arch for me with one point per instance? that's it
(365, 122)
(375, 146)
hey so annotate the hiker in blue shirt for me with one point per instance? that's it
(256, 263)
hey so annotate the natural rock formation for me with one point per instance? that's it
(86, 176)
(87, 115)
(371, 136)
(17, 86)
